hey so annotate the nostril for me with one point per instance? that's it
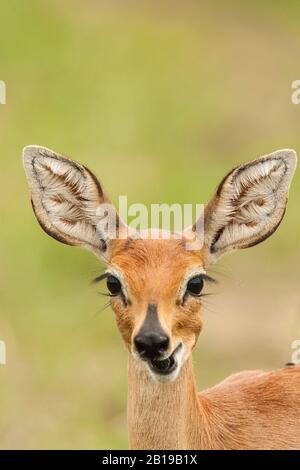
(139, 343)
(150, 344)
(164, 343)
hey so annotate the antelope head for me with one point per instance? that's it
(156, 283)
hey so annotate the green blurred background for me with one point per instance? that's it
(159, 99)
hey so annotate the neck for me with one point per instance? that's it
(163, 416)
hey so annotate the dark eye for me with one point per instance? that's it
(195, 285)
(113, 285)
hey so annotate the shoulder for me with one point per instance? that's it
(285, 380)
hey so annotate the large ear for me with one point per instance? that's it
(68, 200)
(248, 205)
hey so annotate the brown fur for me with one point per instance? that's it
(146, 264)
(249, 410)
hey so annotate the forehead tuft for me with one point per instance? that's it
(143, 253)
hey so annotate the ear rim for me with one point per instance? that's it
(289, 157)
(30, 153)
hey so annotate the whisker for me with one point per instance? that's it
(106, 294)
(208, 308)
(102, 309)
(86, 321)
(211, 311)
(225, 272)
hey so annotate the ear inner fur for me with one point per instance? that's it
(248, 204)
(65, 198)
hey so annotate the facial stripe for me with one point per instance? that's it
(151, 322)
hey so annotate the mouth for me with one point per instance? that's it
(165, 366)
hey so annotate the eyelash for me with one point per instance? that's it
(118, 294)
(103, 276)
(204, 277)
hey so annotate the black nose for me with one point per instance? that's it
(150, 344)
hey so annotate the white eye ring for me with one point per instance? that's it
(114, 285)
(113, 271)
(195, 288)
(189, 275)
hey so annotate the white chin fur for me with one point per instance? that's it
(180, 357)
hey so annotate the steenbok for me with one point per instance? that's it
(155, 286)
